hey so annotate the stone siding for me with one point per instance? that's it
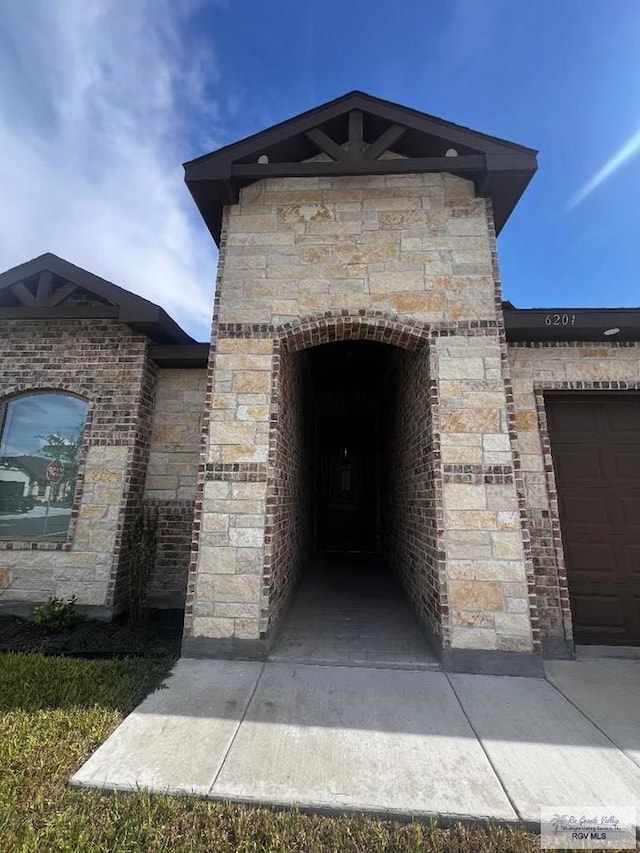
(389, 258)
(486, 571)
(175, 435)
(415, 245)
(536, 368)
(171, 479)
(106, 364)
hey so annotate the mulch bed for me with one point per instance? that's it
(159, 637)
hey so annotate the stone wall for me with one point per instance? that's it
(383, 258)
(172, 477)
(414, 245)
(487, 576)
(411, 486)
(106, 364)
(536, 368)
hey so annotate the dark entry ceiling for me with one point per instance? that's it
(349, 365)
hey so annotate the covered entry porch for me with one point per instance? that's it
(351, 572)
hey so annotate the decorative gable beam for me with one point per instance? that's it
(455, 165)
(44, 288)
(326, 144)
(62, 293)
(23, 294)
(356, 140)
(384, 142)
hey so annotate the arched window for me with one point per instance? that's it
(40, 440)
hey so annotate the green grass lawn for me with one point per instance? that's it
(55, 711)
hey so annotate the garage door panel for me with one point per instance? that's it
(592, 511)
(590, 558)
(597, 614)
(633, 565)
(580, 465)
(574, 420)
(629, 510)
(595, 444)
(626, 465)
(621, 419)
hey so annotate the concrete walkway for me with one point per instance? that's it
(388, 741)
(352, 612)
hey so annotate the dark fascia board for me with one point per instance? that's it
(572, 324)
(507, 171)
(135, 311)
(194, 355)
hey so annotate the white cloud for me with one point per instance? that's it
(630, 148)
(97, 101)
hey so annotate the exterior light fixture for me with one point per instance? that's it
(263, 159)
(451, 152)
(611, 331)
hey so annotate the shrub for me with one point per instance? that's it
(55, 615)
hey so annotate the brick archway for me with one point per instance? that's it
(416, 488)
(364, 325)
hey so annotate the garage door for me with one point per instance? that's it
(595, 444)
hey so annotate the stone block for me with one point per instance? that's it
(461, 368)
(251, 382)
(236, 611)
(469, 520)
(476, 595)
(499, 570)
(250, 537)
(415, 303)
(513, 624)
(473, 638)
(242, 361)
(465, 496)
(217, 561)
(210, 626)
(215, 522)
(233, 432)
(507, 545)
(526, 420)
(508, 520)
(470, 420)
(240, 589)
(396, 282)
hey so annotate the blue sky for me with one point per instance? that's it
(101, 101)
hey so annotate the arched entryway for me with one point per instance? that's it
(352, 529)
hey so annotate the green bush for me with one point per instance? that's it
(55, 615)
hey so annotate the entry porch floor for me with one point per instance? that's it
(352, 612)
(385, 741)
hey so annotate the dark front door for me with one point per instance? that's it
(595, 444)
(346, 484)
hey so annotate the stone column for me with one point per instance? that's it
(486, 572)
(228, 584)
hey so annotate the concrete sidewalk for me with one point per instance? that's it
(389, 741)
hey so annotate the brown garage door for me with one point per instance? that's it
(595, 444)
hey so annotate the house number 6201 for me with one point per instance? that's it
(560, 319)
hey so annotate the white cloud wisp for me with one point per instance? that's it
(97, 100)
(628, 150)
